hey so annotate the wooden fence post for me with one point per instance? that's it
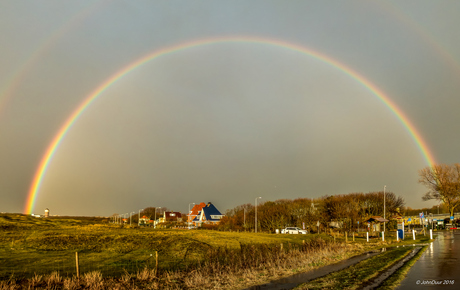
(156, 262)
(76, 264)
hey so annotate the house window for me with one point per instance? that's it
(216, 217)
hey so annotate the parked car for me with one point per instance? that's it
(294, 230)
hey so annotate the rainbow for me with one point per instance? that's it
(46, 159)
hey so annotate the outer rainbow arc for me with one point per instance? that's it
(35, 186)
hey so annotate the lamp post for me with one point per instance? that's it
(384, 209)
(188, 223)
(244, 218)
(155, 221)
(256, 214)
(139, 217)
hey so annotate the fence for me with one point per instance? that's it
(65, 265)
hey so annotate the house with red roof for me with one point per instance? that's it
(195, 211)
(208, 214)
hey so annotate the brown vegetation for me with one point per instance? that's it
(224, 268)
(347, 210)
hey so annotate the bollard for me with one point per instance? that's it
(413, 234)
(346, 237)
(397, 237)
(367, 234)
(383, 236)
(431, 234)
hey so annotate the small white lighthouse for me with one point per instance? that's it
(47, 212)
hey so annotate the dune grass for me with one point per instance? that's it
(40, 252)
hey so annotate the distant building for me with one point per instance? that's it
(209, 214)
(171, 216)
(144, 220)
(47, 212)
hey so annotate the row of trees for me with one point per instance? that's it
(344, 210)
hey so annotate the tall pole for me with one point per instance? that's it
(244, 218)
(384, 209)
(256, 215)
(131, 217)
(139, 217)
(155, 221)
(188, 220)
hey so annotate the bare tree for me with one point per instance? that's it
(443, 181)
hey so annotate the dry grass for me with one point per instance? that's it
(224, 268)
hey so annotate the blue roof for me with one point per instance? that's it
(210, 210)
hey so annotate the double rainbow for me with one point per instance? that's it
(46, 159)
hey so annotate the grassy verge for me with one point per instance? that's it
(358, 275)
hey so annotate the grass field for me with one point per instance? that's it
(45, 247)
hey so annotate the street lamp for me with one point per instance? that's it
(139, 217)
(131, 218)
(256, 214)
(189, 213)
(155, 221)
(384, 209)
(244, 218)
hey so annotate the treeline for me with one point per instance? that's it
(349, 211)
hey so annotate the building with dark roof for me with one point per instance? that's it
(208, 214)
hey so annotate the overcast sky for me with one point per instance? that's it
(229, 121)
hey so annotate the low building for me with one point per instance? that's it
(144, 220)
(376, 221)
(170, 216)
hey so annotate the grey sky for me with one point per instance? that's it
(225, 122)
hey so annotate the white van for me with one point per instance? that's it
(294, 230)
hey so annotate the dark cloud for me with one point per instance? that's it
(226, 122)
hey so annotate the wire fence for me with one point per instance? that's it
(65, 265)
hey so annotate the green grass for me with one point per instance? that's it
(30, 245)
(359, 274)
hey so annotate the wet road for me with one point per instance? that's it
(438, 267)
